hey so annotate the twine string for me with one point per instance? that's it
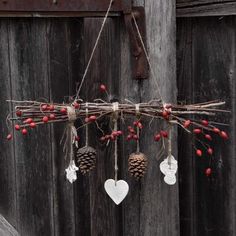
(137, 110)
(169, 150)
(148, 59)
(94, 49)
(115, 106)
(86, 127)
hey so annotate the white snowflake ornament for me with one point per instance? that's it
(71, 172)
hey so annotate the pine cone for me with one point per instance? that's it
(137, 165)
(86, 159)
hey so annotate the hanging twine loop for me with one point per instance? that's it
(169, 150)
(86, 127)
(137, 111)
(115, 107)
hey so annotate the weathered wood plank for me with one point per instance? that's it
(27, 50)
(104, 69)
(129, 89)
(61, 73)
(159, 202)
(187, 170)
(212, 65)
(206, 8)
(8, 201)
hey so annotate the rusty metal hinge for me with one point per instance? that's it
(138, 60)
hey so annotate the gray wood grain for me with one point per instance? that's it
(61, 73)
(159, 202)
(8, 198)
(27, 50)
(206, 47)
(205, 8)
(104, 69)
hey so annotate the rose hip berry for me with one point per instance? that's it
(208, 172)
(9, 137)
(45, 119)
(199, 152)
(24, 131)
(17, 127)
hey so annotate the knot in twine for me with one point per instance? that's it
(115, 107)
(71, 113)
(137, 109)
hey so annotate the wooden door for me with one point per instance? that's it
(45, 59)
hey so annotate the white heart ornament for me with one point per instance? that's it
(169, 166)
(116, 191)
(170, 179)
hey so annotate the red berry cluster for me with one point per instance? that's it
(161, 134)
(204, 125)
(132, 133)
(113, 136)
(47, 112)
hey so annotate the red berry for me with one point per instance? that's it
(103, 87)
(107, 137)
(112, 137)
(102, 139)
(129, 137)
(9, 136)
(24, 131)
(187, 123)
(19, 113)
(115, 133)
(224, 135)
(165, 114)
(77, 138)
(51, 108)
(45, 119)
(210, 151)
(205, 122)
(135, 137)
(199, 152)
(208, 136)
(157, 137)
(32, 125)
(132, 131)
(119, 132)
(216, 130)
(164, 134)
(52, 116)
(63, 110)
(135, 123)
(92, 118)
(17, 127)
(197, 131)
(208, 172)
(44, 107)
(28, 121)
(76, 105)
(140, 126)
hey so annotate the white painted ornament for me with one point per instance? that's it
(117, 191)
(169, 168)
(71, 172)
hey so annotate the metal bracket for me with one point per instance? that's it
(87, 8)
(138, 59)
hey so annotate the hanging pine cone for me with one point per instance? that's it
(137, 165)
(86, 159)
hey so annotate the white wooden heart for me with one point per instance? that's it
(117, 192)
